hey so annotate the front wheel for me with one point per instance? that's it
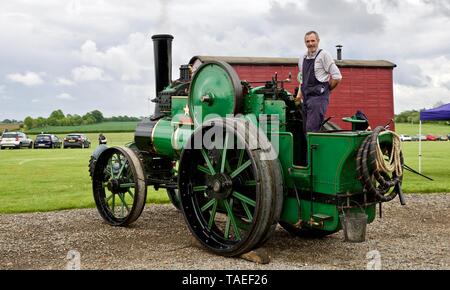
(119, 186)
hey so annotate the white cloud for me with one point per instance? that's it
(126, 60)
(35, 101)
(97, 41)
(416, 98)
(89, 73)
(65, 96)
(64, 82)
(27, 79)
(3, 96)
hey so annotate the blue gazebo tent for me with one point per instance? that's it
(441, 113)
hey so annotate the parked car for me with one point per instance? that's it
(431, 137)
(76, 140)
(419, 137)
(448, 136)
(47, 141)
(404, 138)
(443, 138)
(15, 140)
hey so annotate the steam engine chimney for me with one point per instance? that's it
(339, 52)
(162, 46)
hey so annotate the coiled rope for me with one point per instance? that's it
(378, 175)
(394, 163)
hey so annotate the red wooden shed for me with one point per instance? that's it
(367, 85)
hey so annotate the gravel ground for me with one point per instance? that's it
(416, 236)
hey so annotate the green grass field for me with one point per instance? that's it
(435, 164)
(435, 159)
(46, 180)
(94, 128)
(413, 129)
(53, 179)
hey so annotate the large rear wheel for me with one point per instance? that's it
(230, 197)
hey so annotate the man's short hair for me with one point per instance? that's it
(312, 32)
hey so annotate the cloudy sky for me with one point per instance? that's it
(81, 55)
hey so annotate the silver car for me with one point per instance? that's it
(405, 138)
(15, 140)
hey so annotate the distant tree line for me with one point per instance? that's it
(122, 119)
(57, 118)
(8, 121)
(413, 117)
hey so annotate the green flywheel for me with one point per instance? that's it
(215, 91)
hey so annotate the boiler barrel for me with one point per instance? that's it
(162, 137)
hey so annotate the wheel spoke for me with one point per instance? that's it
(121, 169)
(250, 183)
(117, 157)
(109, 198)
(226, 233)
(209, 204)
(244, 198)
(213, 214)
(122, 198)
(241, 168)
(127, 185)
(111, 168)
(199, 188)
(203, 169)
(208, 162)
(247, 211)
(227, 167)
(243, 225)
(231, 217)
(132, 195)
(224, 153)
(241, 157)
(129, 173)
(107, 170)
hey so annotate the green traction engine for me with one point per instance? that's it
(234, 160)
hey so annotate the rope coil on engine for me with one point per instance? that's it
(394, 163)
(377, 174)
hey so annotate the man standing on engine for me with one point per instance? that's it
(318, 76)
